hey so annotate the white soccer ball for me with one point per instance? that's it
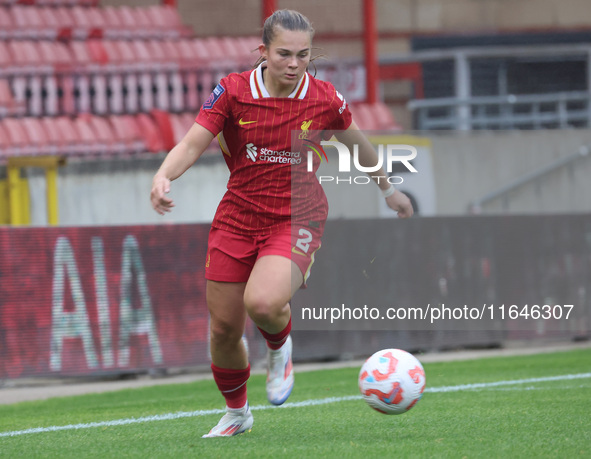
(392, 381)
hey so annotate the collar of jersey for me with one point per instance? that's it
(259, 91)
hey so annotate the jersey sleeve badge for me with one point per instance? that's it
(214, 96)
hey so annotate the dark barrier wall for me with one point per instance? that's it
(450, 282)
(107, 300)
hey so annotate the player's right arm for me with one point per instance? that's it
(178, 160)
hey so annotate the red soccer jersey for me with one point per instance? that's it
(255, 134)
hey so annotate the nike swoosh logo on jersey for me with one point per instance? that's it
(242, 123)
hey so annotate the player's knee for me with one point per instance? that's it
(223, 333)
(261, 308)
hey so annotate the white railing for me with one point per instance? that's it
(536, 111)
(463, 111)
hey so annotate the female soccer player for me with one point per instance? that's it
(250, 266)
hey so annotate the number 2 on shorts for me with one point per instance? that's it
(303, 243)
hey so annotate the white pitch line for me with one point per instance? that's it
(506, 383)
(316, 402)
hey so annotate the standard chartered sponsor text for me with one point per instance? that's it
(283, 156)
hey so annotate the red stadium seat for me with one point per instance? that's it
(6, 99)
(128, 61)
(65, 66)
(64, 58)
(94, 146)
(187, 56)
(178, 128)
(6, 62)
(361, 116)
(80, 54)
(114, 28)
(126, 130)
(206, 77)
(164, 16)
(93, 19)
(253, 42)
(9, 106)
(155, 17)
(150, 133)
(6, 24)
(96, 18)
(186, 121)
(145, 67)
(18, 140)
(81, 19)
(222, 53)
(63, 131)
(6, 148)
(82, 63)
(53, 135)
(237, 50)
(50, 20)
(98, 79)
(57, 56)
(27, 22)
(97, 51)
(142, 53)
(374, 117)
(113, 55)
(384, 117)
(202, 52)
(65, 16)
(175, 63)
(65, 20)
(189, 119)
(105, 135)
(26, 56)
(188, 98)
(157, 52)
(163, 121)
(142, 19)
(249, 47)
(167, 79)
(127, 20)
(38, 138)
(117, 68)
(126, 52)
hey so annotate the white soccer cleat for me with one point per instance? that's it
(280, 373)
(234, 422)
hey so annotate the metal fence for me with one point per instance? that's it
(502, 87)
(534, 111)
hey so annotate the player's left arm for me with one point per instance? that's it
(368, 157)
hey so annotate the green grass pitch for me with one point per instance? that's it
(522, 406)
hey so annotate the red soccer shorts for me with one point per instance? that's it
(231, 256)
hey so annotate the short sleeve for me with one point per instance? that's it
(216, 109)
(342, 117)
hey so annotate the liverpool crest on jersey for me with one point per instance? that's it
(305, 128)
